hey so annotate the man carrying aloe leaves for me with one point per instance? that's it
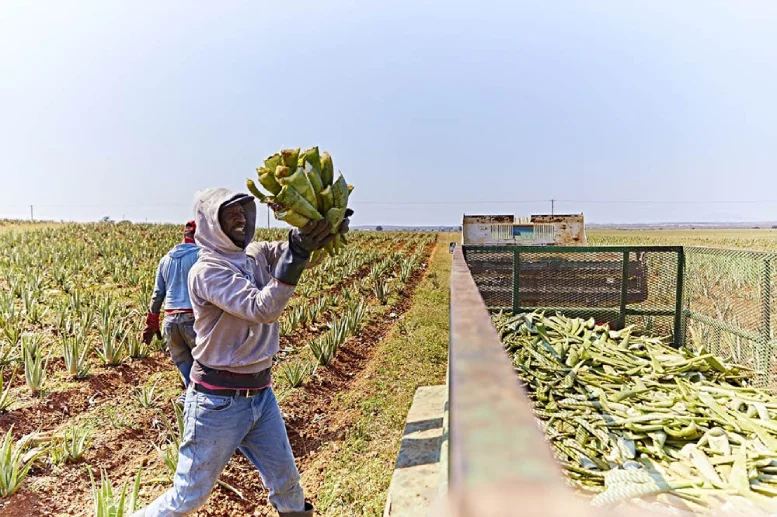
(238, 291)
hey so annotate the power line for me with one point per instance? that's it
(113, 206)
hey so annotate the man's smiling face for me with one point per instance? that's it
(233, 221)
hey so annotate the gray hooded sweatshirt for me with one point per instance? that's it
(235, 299)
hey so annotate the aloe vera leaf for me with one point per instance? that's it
(623, 395)
(718, 410)
(327, 199)
(327, 169)
(271, 162)
(269, 182)
(763, 412)
(337, 243)
(301, 183)
(738, 478)
(702, 463)
(293, 200)
(767, 439)
(644, 428)
(310, 156)
(290, 158)
(718, 440)
(315, 180)
(251, 186)
(340, 192)
(293, 218)
(281, 171)
(335, 217)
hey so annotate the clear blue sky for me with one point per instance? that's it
(127, 108)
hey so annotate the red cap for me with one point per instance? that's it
(190, 227)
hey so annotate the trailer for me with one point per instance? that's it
(537, 230)
(526, 263)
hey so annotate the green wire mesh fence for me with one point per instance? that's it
(717, 298)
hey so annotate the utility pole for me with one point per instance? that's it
(552, 207)
(32, 216)
(268, 217)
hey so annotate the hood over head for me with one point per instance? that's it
(181, 250)
(210, 236)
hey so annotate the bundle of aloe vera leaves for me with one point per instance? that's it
(303, 188)
(629, 416)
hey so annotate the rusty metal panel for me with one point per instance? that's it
(570, 228)
(476, 233)
(558, 230)
(477, 228)
(488, 219)
(493, 435)
(557, 218)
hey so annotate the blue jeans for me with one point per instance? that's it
(217, 426)
(180, 337)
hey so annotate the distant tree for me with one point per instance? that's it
(378, 228)
(106, 219)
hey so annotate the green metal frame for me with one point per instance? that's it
(620, 312)
(763, 337)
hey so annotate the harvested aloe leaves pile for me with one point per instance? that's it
(629, 416)
(303, 189)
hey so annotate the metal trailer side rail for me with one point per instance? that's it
(622, 309)
(498, 460)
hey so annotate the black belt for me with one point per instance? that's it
(227, 393)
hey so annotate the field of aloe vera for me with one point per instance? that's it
(765, 240)
(87, 423)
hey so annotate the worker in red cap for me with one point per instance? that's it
(172, 290)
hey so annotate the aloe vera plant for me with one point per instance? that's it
(146, 395)
(31, 344)
(112, 349)
(5, 392)
(14, 466)
(35, 371)
(108, 503)
(296, 372)
(380, 290)
(71, 446)
(136, 348)
(75, 351)
(324, 349)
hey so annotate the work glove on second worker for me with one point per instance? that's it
(302, 243)
(151, 328)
